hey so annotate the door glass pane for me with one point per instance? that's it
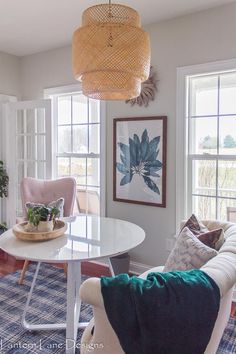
(20, 173)
(41, 170)
(94, 138)
(20, 147)
(204, 207)
(80, 109)
(227, 179)
(31, 147)
(228, 93)
(41, 147)
(203, 135)
(40, 121)
(63, 166)
(20, 122)
(19, 210)
(204, 177)
(78, 170)
(64, 110)
(64, 139)
(80, 139)
(93, 172)
(227, 127)
(204, 96)
(30, 121)
(31, 169)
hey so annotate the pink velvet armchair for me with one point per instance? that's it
(45, 191)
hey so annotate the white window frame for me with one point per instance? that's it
(182, 182)
(55, 91)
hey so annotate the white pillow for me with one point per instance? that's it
(188, 253)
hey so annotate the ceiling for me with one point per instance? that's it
(31, 26)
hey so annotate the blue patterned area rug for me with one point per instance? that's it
(228, 341)
(48, 305)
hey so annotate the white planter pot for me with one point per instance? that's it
(45, 226)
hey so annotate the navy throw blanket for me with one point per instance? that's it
(168, 313)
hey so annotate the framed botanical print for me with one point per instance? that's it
(139, 160)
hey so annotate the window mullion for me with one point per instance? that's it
(212, 157)
(188, 175)
(78, 155)
(218, 146)
(71, 121)
(88, 126)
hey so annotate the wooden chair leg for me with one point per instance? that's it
(24, 269)
(65, 266)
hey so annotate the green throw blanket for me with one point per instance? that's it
(168, 313)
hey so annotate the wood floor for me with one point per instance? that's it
(9, 264)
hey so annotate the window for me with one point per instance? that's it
(78, 147)
(209, 161)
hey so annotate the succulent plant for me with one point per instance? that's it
(140, 158)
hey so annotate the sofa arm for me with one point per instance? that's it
(90, 289)
(222, 270)
(90, 292)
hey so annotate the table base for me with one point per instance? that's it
(72, 323)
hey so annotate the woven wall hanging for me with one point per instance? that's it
(111, 52)
(148, 91)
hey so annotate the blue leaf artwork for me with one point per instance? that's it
(140, 158)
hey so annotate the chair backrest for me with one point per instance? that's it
(88, 201)
(45, 191)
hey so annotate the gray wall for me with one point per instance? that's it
(199, 38)
(9, 85)
(9, 75)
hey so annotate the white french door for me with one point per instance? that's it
(28, 148)
(3, 100)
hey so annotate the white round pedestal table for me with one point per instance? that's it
(87, 238)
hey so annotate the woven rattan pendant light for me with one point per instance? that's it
(111, 52)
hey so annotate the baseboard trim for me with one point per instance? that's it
(135, 267)
(139, 268)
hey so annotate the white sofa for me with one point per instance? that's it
(222, 268)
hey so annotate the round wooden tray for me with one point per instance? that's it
(19, 231)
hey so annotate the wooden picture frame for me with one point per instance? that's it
(139, 160)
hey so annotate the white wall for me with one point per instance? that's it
(9, 82)
(45, 70)
(9, 75)
(193, 39)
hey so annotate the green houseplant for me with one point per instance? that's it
(4, 181)
(42, 218)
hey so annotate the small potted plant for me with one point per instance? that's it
(42, 218)
(3, 227)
